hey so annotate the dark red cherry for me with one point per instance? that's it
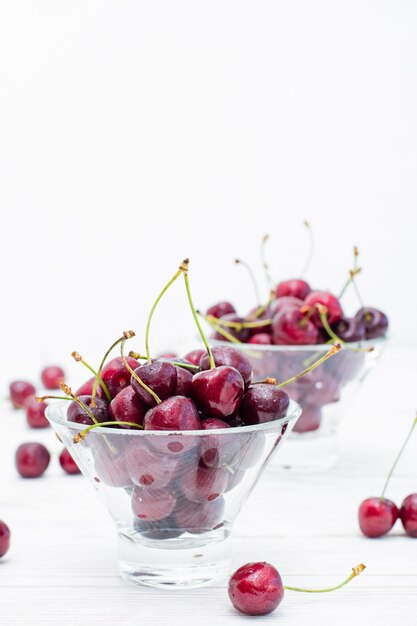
(194, 356)
(332, 304)
(160, 376)
(35, 413)
(146, 467)
(408, 514)
(377, 516)
(52, 376)
(116, 376)
(199, 517)
(296, 288)
(350, 329)
(67, 463)
(184, 378)
(20, 390)
(226, 355)
(263, 403)
(152, 505)
(218, 450)
(375, 322)
(79, 415)
(204, 484)
(220, 309)
(241, 334)
(279, 304)
(264, 339)
(4, 538)
(292, 327)
(175, 413)
(127, 407)
(256, 589)
(218, 392)
(32, 459)
(309, 420)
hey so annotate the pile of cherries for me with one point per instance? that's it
(177, 482)
(297, 315)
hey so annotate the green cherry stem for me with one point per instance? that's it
(222, 331)
(141, 357)
(261, 309)
(68, 392)
(155, 304)
(240, 325)
(252, 278)
(324, 320)
(82, 434)
(184, 269)
(355, 572)
(264, 263)
(135, 376)
(79, 359)
(43, 398)
(394, 465)
(103, 360)
(333, 350)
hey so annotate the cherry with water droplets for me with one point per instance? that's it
(160, 376)
(256, 589)
(127, 407)
(218, 392)
(79, 415)
(116, 376)
(226, 355)
(176, 413)
(263, 403)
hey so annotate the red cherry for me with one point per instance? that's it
(332, 304)
(152, 505)
(194, 356)
(146, 467)
(35, 413)
(204, 484)
(279, 304)
(127, 407)
(218, 392)
(263, 339)
(220, 309)
(116, 376)
(52, 376)
(292, 327)
(377, 516)
(309, 421)
(32, 459)
(296, 288)
(408, 514)
(175, 413)
(198, 517)
(20, 390)
(256, 589)
(4, 538)
(67, 463)
(86, 389)
(226, 355)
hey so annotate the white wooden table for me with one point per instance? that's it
(61, 568)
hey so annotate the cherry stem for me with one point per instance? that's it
(68, 392)
(43, 398)
(310, 248)
(77, 357)
(81, 435)
(213, 323)
(252, 278)
(394, 465)
(103, 360)
(135, 376)
(264, 263)
(141, 357)
(184, 269)
(333, 336)
(355, 572)
(155, 304)
(240, 325)
(333, 350)
(261, 309)
(308, 310)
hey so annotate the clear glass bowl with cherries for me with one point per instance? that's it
(292, 330)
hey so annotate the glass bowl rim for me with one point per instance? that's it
(308, 347)
(294, 411)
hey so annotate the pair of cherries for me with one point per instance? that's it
(32, 460)
(22, 395)
(296, 315)
(377, 516)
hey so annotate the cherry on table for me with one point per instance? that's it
(256, 589)
(67, 463)
(20, 390)
(218, 392)
(52, 376)
(377, 516)
(35, 413)
(408, 514)
(4, 538)
(32, 459)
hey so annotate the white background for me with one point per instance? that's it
(135, 133)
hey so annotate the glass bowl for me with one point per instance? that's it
(173, 496)
(323, 394)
